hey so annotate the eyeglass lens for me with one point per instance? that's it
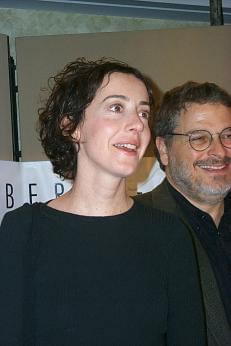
(201, 139)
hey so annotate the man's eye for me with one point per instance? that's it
(226, 136)
(195, 138)
(117, 108)
(199, 138)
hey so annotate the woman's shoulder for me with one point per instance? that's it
(17, 224)
(22, 213)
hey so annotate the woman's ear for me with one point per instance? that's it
(163, 150)
(66, 125)
(76, 134)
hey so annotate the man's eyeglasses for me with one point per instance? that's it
(202, 139)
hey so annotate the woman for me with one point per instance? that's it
(93, 267)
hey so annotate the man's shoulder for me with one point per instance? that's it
(144, 198)
(155, 197)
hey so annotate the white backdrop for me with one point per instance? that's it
(29, 182)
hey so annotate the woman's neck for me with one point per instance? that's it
(95, 197)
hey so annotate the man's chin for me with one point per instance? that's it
(213, 195)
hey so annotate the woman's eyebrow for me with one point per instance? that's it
(123, 97)
(116, 96)
(145, 103)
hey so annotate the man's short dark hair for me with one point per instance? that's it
(179, 99)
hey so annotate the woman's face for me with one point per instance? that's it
(115, 132)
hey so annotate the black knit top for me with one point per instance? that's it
(69, 280)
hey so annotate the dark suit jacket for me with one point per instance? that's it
(218, 329)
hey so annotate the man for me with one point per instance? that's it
(192, 133)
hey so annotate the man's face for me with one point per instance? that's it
(202, 176)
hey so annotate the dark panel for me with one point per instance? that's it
(6, 151)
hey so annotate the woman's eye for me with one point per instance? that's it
(144, 114)
(117, 108)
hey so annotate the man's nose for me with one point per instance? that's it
(216, 147)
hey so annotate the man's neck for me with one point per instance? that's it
(215, 210)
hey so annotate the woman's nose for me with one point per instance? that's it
(135, 123)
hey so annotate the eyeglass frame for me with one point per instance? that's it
(209, 133)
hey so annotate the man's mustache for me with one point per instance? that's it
(213, 162)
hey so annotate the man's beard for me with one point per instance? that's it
(194, 186)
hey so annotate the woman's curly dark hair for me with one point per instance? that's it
(72, 90)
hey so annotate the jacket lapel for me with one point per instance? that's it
(219, 332)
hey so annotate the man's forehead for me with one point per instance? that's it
(205, 112)
(196, 108)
